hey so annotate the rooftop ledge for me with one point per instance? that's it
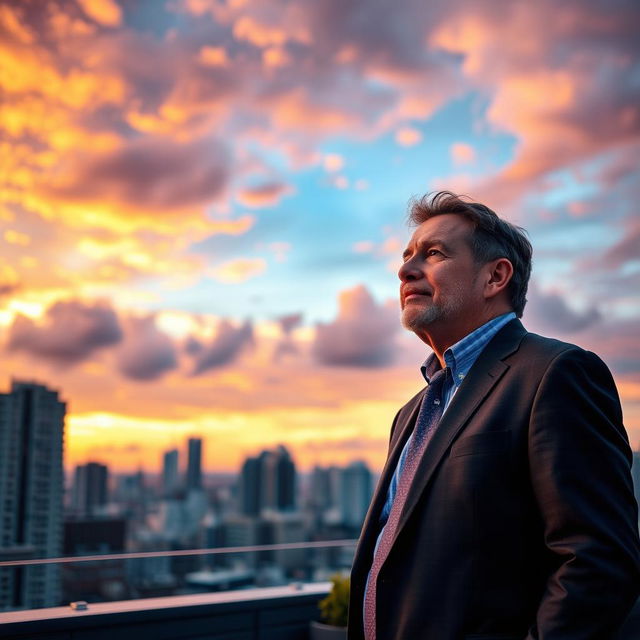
(273, 613)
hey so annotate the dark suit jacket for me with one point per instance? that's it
(522, 521)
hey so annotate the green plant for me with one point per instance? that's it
(335, 606)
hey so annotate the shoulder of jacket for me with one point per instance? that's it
(534, 343)
(536, 350)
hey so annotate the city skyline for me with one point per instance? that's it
(44, 517)
(203, 206)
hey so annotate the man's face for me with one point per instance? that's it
(439, 277)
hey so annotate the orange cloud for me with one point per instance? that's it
(102, 262)
(239, 270)
(333, 162)
(149, 183)
(15, 237)
(296, 110)
(11, 23)
(408, 137)
(462, 153)
(264, 195)
(259, 34)
(559, 112)
(105, 12)
(275, 57)
(214, 56)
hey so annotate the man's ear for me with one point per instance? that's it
(498, 275)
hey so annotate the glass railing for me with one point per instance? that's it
(33, 583)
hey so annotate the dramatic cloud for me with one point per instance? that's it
(147, 177)
(361, 336)
(627, 250)
(556, 79)
(227, 345)
(130, 136)
(550, 312)
(146, 352)
(69, 332)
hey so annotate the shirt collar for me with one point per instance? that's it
(460, 356)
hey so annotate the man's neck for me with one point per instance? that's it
(441, 338)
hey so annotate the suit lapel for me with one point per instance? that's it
(480, 381)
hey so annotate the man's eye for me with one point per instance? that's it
(434, 252)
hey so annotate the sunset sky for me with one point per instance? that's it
(203, 205)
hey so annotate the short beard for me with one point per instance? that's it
(421, 319)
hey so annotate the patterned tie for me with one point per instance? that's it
(428, 418)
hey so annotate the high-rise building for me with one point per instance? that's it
(90, 489)
(31, 491)
(319, 490)
(194, 464)
(249, 490)
(284, 489)
(170, 477)
(356, 493)
(268, 481)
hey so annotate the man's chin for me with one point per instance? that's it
(417, 320)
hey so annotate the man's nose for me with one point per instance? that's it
(409, 271)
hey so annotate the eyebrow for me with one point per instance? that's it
(429, 242)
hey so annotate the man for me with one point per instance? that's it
(505, 509)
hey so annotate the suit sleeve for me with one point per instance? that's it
(580, 462)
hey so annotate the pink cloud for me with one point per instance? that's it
(557, 79)
(264, 195)
(71, 331)
(105, 12)
(223, 349)
(146, 353)
(361, 336)
(462, 153)
(549, 312)
(408, 137)
(145, 178)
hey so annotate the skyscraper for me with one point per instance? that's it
(90, 489)
(31, 490)
(284, 494)
(356, 493)
(170, 478)
(268, 481)
(194, 464)
(249, 491)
